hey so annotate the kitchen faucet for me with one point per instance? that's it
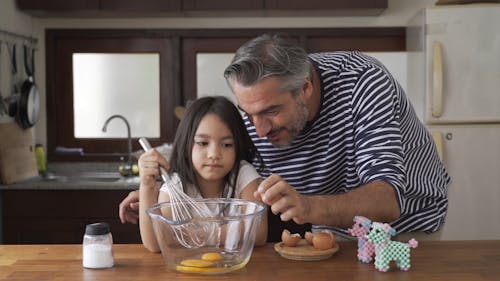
(128, 168)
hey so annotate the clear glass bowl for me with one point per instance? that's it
(219, 243)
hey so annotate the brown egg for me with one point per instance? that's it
(290, 240)
(323, 240)
(309, 237)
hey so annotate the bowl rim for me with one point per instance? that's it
(150, 210)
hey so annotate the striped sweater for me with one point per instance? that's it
(366, 130)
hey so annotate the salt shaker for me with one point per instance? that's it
(97, 246)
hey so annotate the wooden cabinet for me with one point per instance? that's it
(325, 5)
(58, 5)
(60, 216)
(124, 8)
(91, 8)
(141, 6)
(221, 5)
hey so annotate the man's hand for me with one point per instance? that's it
(129, 208)
(284, 199)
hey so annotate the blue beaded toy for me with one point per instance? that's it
(387, 250)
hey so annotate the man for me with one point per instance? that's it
(338, 138)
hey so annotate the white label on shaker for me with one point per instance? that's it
(97, 256)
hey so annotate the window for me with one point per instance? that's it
(109, 84)
(93, 78)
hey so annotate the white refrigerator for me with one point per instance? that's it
(454, 85)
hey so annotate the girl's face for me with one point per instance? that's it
(213, 152)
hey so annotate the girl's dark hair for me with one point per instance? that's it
(181, 159)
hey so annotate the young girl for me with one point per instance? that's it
(211, 154)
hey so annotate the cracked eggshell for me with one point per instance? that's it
(290, 240)
(309, 237)
(323, 240)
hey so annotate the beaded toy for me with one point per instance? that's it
(387, 250)
(366, 249)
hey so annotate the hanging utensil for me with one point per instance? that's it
(29, 102)
(3, 106)
(12, 100)
(23, 105)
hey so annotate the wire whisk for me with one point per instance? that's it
(193, 230)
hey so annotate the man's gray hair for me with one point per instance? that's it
(270, 55)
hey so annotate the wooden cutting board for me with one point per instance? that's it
(17, 154)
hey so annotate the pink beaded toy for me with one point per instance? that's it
(366, 249)
(387, 250)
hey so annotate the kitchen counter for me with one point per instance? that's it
(431, 260)
(73, 168)
(37, 183)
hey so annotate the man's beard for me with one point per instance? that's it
(297, 125)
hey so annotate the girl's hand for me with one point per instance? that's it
(149, 168)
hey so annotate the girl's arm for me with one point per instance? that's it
(247, 194)
(149, 194)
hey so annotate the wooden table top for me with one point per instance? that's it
(432, 260)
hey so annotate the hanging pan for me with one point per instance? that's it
(24, 106)
(29, 101)
(3, 104)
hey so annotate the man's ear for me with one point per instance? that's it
(307, 89)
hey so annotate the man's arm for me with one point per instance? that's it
(376, 201)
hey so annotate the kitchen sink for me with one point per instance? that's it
(84, 177)
(99, 176)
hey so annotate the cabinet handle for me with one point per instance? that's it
(438, 140)
(437, 80)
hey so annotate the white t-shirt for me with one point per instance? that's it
(245, 176)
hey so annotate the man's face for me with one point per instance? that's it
(276, 115)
